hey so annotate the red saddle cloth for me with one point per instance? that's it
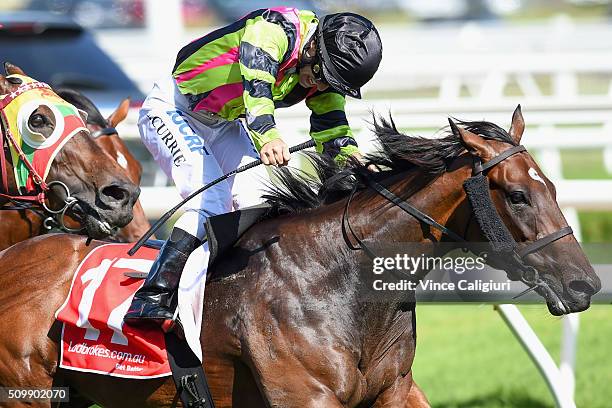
(94, 338)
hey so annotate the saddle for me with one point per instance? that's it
(222, 232)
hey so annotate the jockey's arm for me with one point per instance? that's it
(329, 127)
(262, 48)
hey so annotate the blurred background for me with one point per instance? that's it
(470, 59)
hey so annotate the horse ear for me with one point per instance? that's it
(518, 125)
(120, 113)
(11, 69)
(84, 115)
(473, 143)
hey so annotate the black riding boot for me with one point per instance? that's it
(154, 303)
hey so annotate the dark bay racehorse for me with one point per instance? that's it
(102, 193)
(18, 225)
(284, 323)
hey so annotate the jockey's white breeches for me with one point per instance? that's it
(195, 148)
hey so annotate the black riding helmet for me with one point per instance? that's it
(350, 51)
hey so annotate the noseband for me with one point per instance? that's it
(503, 246)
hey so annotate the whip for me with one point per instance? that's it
(164, 218)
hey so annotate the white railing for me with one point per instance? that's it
(545, 136)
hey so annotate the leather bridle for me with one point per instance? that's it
(513, 259)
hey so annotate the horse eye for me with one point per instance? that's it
(517, 197)
(37, 120)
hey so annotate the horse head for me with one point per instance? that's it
(55, 144)
(104, 132)
(525, 199)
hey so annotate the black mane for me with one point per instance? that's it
(80, 101)
(297, 190)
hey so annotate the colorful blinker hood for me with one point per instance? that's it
(32, 153)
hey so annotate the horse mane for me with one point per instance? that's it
(297, 190)
(80, 101)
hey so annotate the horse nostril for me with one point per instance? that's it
(582, 286)
(115, 193)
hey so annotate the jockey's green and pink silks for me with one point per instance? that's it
(39, 149)
(250, 67)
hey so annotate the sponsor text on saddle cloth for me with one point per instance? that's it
(94, 338)
(39, 150)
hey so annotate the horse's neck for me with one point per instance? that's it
(440, 200)
(390, 224)
(325, 268)
(374, 220)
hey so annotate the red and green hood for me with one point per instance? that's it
(39, 150)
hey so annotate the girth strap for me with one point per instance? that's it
(188, 375)
(542, 242)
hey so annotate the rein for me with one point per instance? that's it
(478, 193)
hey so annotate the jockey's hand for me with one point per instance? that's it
(359, 157)
(275, 153)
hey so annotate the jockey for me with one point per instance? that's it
(190, 123)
